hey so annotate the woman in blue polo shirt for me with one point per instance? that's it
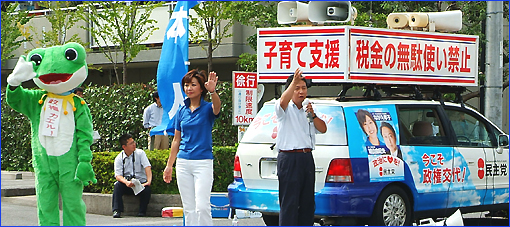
(192, 147)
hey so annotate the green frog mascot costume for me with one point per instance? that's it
(61, 129)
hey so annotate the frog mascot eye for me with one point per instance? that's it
(37, 58)
(71, 54)
(61, 129)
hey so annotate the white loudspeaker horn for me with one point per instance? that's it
(291, 12)
(454, 220)
(447, 21)
(331, 11)
(420, 20)
(398, 20)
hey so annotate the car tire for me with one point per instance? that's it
(271, 220)
(392, 208)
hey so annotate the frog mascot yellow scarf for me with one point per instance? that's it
(61, 129)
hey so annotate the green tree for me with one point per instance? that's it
(62, 18)
(410, 6)
(258, 15)
(214, 20)
(14, 30)
(247, 62)
(224, 133)
(122, 24)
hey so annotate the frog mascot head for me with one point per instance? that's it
(61, 129)
(59, 69)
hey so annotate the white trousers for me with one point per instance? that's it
(195, 179)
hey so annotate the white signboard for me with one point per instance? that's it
(244, 97)
(340, 54)
(320, 51)
(412, 57)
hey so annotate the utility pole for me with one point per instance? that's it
(494, 63)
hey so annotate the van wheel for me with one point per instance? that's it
(392, 208)
(271, 220)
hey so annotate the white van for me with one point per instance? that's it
(426, 159)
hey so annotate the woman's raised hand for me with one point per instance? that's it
(210, 85)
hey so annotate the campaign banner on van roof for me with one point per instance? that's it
(351, 54)
(320, 51)
(412, 57)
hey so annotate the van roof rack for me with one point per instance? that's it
(395, 92)
(414, 92)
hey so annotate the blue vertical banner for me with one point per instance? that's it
(173, 65)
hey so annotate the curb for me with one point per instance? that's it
(102, 204)
(10, 192)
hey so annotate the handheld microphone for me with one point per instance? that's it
(309, 115)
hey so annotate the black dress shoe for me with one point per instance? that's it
(141, 214)
(116, 214)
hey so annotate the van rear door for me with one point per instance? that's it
(258, 159)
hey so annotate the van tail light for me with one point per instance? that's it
(237, 168)
(340, 170)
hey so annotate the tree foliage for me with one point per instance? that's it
(115, 110)
(14, 30)
(212, 25)
(102, 162)
(62, 19)
(374, 14)
(16, 145)
(473, 15)
(224, 133)
(124, 25)
(247, 62)
(258, 15)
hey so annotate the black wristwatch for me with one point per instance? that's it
(314, 116)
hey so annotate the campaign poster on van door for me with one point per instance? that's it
(373, 134)
(244, 97)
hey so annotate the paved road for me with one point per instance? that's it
(20, 215)
(20, 211)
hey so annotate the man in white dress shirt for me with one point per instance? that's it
(295, 141)
(152, 116)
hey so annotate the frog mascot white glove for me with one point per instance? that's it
(61, 129)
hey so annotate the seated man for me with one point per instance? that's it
(422, 133)
(78, 91)
(130, 164)
(467, 128)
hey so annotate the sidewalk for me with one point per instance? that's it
(20, 215)
(19, 188)
(19, 204)
(19, 209)
(17, 183)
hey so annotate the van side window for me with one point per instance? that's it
(470, 131)
(421, 126)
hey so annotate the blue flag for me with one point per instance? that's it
(173, 65)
